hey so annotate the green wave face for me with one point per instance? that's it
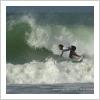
(37, 35)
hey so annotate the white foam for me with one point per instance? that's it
(50, 72)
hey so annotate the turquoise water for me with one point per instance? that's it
(32, 52)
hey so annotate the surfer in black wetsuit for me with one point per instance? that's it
(71, 49)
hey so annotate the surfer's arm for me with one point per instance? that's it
(64, 51)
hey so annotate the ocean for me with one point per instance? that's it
(32, 54)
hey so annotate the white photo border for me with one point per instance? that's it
(96, 49)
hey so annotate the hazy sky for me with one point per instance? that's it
(50, 9)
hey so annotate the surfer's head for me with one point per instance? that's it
(60, 46)
(73, 48)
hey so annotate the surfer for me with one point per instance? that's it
(72, 49)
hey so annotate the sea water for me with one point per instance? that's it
(32, 53)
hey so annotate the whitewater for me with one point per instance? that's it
(33, 54)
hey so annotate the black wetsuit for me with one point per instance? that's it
(71, 54)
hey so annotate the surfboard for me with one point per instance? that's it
(77, 59)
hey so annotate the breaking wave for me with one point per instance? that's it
(33, 54)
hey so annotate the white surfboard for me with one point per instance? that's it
(77, 59)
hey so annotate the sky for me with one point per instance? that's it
(50, 9)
